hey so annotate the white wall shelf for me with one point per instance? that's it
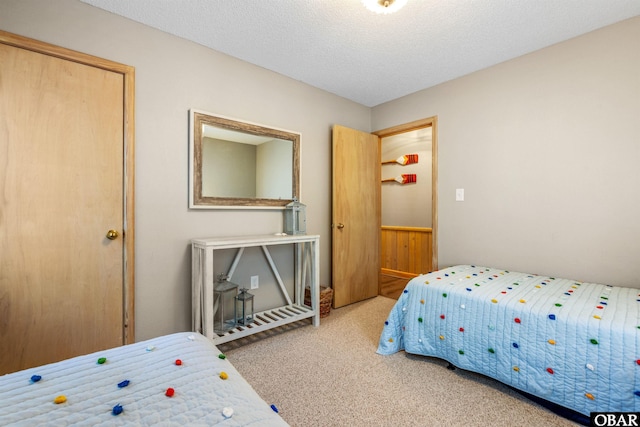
(306, 262)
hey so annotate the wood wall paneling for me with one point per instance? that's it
(406, 249)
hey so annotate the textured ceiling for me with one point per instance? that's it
(341, 47)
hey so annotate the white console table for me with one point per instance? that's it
(307, 259)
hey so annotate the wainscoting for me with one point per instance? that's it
(405, 253)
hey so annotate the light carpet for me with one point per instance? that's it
(332, 376)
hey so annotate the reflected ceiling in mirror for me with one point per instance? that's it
(241, 164)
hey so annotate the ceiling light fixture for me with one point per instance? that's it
(384, 6)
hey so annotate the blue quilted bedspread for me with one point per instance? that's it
(572, 343)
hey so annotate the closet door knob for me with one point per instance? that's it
(340, 226)
(112, 234)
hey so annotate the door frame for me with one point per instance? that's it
(128, 76)
(407, 127)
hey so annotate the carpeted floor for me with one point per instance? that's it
(332, 376)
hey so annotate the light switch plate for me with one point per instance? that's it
(459, 194)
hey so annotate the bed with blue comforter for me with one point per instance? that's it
(571, 343)
(177, 380)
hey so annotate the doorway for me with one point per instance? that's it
(408, 204)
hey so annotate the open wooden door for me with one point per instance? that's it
(66, 178)
(356, 216)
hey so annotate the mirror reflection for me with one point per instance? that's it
(238, 163)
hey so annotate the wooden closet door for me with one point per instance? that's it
(62, 188)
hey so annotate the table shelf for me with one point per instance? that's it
(266, 320)
(306, 259)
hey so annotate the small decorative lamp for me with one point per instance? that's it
(224, 293)
(244, 307)
(295, 218)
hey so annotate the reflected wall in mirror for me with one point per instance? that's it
(235, 164)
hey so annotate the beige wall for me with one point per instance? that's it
(407, 205)
(547, 148)
(172, 76)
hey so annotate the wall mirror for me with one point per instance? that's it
(235, 164)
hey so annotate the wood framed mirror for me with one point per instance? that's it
(237, 164)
